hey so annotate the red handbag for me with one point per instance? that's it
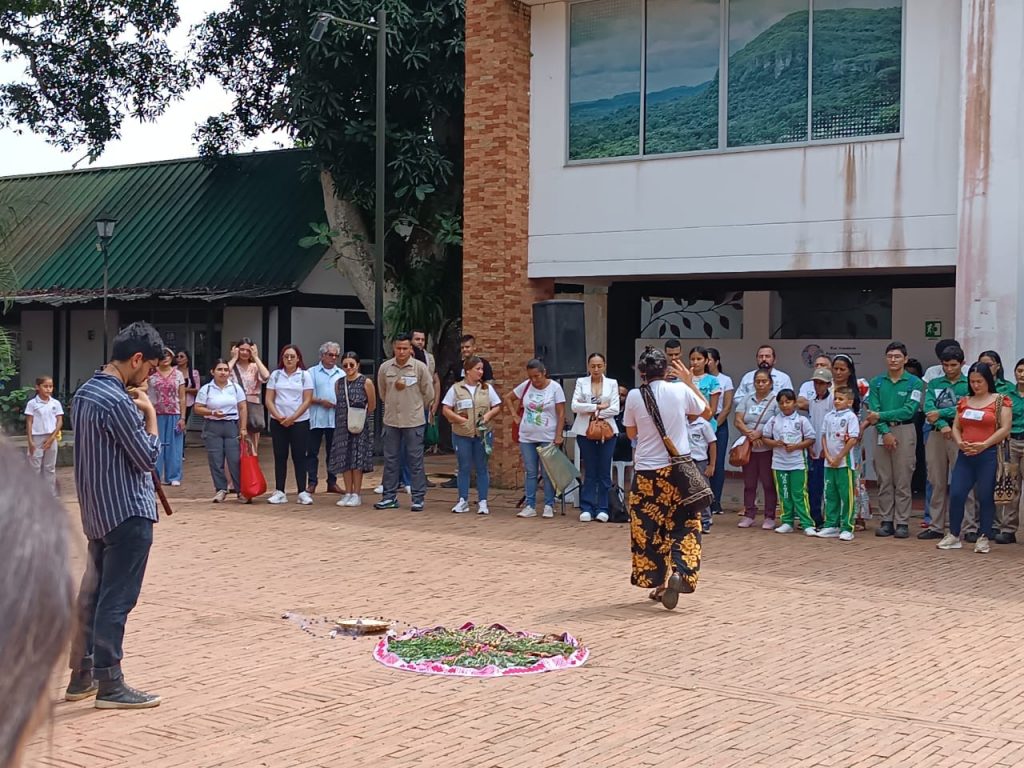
(252, 480)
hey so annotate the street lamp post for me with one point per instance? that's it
(322, 22)
(105, 230)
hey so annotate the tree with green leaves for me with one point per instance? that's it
(323, 94)
(88, 66)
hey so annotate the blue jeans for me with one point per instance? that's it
(816, 488)
(470, 453)
(114, 569)
(531, 462)
(597, 474)
(172, 445)
(718, 480)
(978, 473)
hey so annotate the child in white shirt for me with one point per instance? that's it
(703, 451)
(44, 418)
(789, 435)
(839, 435)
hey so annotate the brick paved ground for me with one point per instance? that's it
(793, 652)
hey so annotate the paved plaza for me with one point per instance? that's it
(793, 651)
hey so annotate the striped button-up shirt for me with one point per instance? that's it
(114, 457)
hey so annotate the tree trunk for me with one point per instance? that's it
(353, 246)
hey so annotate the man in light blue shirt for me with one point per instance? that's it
(321, 413)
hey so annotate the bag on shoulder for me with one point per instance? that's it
(255, 420)
(1007, 478)
(739, 454)
(356, 416)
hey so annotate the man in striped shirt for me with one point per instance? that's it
(116, 447)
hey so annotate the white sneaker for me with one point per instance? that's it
(461, 506)
(585, 517)
(354, 500)
(784, 528)
(527, 512)
(343, 501)
(305, 498)
(219, 496)
(846, 536)
(175, 483)
(549, 511)
(949, 541)
(482, 509)
(829, 533)
(812, 531)
(379, 489)
(278, 497)
(981, 546)
(602, 517)
(407, 489)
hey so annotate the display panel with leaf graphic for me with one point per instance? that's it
(693, 317)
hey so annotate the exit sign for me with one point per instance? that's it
(933, 329)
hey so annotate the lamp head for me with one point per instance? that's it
(317, 34)
(105, 227)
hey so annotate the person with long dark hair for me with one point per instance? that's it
(844, 374)
(289, 395)
(221, 403)
(352, 452)
(725, 403)
(183, 362)
(983, 420)
(668, 491)
(992, 359)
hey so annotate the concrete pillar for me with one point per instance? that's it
(990, 262)
(496, 292)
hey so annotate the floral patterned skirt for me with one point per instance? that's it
(665, 528)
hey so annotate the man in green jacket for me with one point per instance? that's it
(940, 451)
(893, 401)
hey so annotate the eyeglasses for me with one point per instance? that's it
(330, 354)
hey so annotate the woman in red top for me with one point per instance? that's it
(982, 422)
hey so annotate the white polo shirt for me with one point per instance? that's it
(225, 400)
(44, 414)
(288, 391)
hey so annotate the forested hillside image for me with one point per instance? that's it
(856, 76)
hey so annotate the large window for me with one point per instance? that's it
(645, 75)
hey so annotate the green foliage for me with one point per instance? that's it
(87, 67)
(12, 409)
(423, 299)
(857, 65)
(323, 95)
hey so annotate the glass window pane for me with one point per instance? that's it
(768, 45)
(604, 78)
(838, 313)
(683, 44)
(857, 46)
(696, 316)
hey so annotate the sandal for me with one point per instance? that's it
(656, 593)
(860, 525)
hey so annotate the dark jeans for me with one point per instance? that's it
(313, 454)
(110, 589)
(295, 439)
(816, 488)
(597, 474)
(404, 443)
(718, 480)
(978, 473)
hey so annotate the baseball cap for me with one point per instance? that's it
(822, 374)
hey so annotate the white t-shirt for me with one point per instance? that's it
(44, 415)
(780, 381)
(839, 427)
(449, 398)
(288, 391)
(725, 382)
(675, 403)
(933, 372)
(817, 410)
(701, 436)
(225, 400)
(540, 420)
(790, 430)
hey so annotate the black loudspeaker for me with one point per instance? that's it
(560, 338)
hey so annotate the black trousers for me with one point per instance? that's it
(296, 440)
(325, 434)
(109, 591)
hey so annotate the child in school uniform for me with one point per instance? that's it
(839, 435)
(704, 451)
(789, 435)
(44, 418)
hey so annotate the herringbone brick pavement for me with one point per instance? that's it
(793, 652)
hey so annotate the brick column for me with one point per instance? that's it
(496, 293)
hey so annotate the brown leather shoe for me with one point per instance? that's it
(333, 488)
(311, 488)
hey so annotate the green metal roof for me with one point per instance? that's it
(187, 228)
